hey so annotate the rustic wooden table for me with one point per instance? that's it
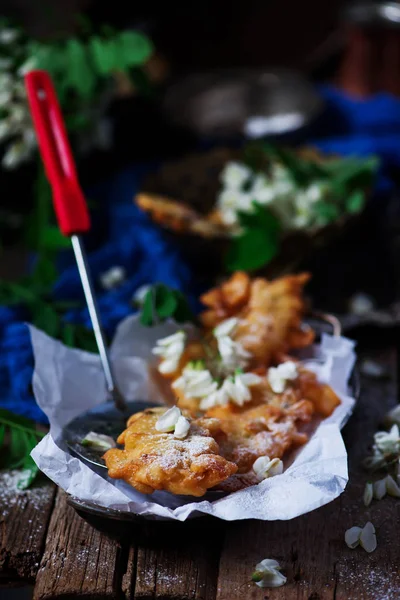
(44, 542)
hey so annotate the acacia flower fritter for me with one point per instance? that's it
(232, 353)
(361, 536)
(173, 421)
(170, 349)
(268, 574)
(280, 375)
(264, 467)
(235, 388)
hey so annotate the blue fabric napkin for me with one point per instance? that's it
(347, 127)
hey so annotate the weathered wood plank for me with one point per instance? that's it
(24, 517)
(78, 561)
(311, 548)
(176, 561)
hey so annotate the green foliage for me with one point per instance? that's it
(342, 184)
(18, 437)
(258, 242)
(162, 302)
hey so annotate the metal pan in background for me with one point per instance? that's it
(249, 103)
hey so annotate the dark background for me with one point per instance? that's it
(202, 34)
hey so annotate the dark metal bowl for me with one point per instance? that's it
(98, 515)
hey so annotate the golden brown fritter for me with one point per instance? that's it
(270, 314)
(180, 217)
(157, 461)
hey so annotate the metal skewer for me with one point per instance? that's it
(84, 273)
(68, 199)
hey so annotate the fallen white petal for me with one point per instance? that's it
(379, 489)
(352, 537)
(368, 537)
(368, 493)
(226, 327)
(391, 487)
(98, 440)
(168, 420)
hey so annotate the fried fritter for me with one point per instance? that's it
(270, 314)
(157, 461)
(180, 217)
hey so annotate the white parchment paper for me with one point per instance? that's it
(68, 382)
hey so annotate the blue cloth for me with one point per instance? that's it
(347, 127)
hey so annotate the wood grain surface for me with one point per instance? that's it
(207, 559)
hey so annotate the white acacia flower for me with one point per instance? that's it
(29, 65)
(5, 63)
(173, 421)
(379, 488)
(384, 486)
(140, 294)
(233, 355)
(363, 536)
(16, 153)
(368, 493)
(235, 175)
(234, 388)
(264, 467)
(166, 423)
(393, 416)
(112, 277)
(8, 36)
(263, 191)
(98, 441)
(392, 487)
(195, 382)
(226, 327)
(5, 98)
(181, 428)
(170, 349)
(268, 574)
(280, 375)
(388, 442)
(217, 398)
(237, 387)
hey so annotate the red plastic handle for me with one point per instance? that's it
(69, 202)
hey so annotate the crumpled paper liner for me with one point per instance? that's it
(68, 382)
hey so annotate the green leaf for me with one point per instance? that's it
(133, 48)
(46, 318)
(259, 242)
(79, 75)
(147, 316)
(29, 471)
(161, 303)
(326, 212)
(45, 272)
(103, 55)
(355, 202)
(52, 239)
(17, 448)
(22, 438)
(2, 433)
(68, 335)
(165, 301)
(183, 313)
